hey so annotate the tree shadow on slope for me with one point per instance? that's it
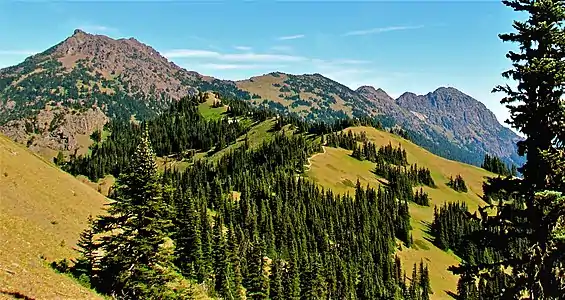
(15, 294)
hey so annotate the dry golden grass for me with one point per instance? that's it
(337, 170)
(102, 186)
(42, 212)
(263, 86)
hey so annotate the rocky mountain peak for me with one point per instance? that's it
(371, 92)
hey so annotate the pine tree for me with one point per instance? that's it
(87, 262)
(60, 159)
(222, 266)
(257, 282)
(425, 285)
(466, 288)
(530, 223)
(138, 253)
(276, 278)
(414, 284)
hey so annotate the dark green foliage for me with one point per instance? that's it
(496, 165)
(412, 176)
(421, 198)
(175, 133)
(393, 155)
(347, 140)
(457, 183)
(284, 237)
(96, 136)
(452, 228)
(467, 289)
(60, 159)
(318, 241)
(528, 226)
(137, 261)
(389, 154)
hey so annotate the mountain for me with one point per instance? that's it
(463, 119)
(89, 77)
(311, 95)
(445, 118)
(54, 100)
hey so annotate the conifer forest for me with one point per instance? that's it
(242, 220)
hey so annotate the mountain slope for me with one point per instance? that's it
(91, 77)
(446, 115)
(463, 119)
(311, 95)
(42, 212)
(337, 170)
(94, 79)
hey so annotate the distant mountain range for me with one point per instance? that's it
(55, 98)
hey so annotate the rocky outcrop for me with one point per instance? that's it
(57, 128)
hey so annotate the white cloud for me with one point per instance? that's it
(381, 30)
(281, 48)
(97, 28)
(233, 57)
(243, 48)
(255, 57)
(187, 53)
(18, 52)
(237, 66)
(291, 37)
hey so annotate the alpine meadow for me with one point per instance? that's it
(125, 173)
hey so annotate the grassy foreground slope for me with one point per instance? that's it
(42, 212)
(337, 170)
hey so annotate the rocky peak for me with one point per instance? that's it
(370, 92)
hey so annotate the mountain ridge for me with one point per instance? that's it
(125, 78)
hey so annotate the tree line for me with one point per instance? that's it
(243, 226)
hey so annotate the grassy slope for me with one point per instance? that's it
(337, 170)
(42, 212)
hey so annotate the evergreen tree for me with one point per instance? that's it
(466, 288)
(276, 278)
(87, 262)
(528, 228)
(138, 254)
(60, 159)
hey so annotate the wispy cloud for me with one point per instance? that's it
(233, 57)
(381, 30)
(291, 37)
(97, 28)
(238, 66)
(18, 52)
(243, 48)
(188, 53)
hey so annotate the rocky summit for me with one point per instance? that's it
(90, 79)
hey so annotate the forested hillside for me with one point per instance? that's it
(244, 225)
(54, 100)
(224, 195)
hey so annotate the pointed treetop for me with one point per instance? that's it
(144, 157)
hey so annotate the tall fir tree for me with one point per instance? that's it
(87, 263)
(138, 253)
(530, 229)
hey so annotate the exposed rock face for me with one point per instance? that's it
(55, 128)
(124, 77)
(108, 77)
(142, 67)
(466, 119)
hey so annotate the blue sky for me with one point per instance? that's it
(413, 46)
